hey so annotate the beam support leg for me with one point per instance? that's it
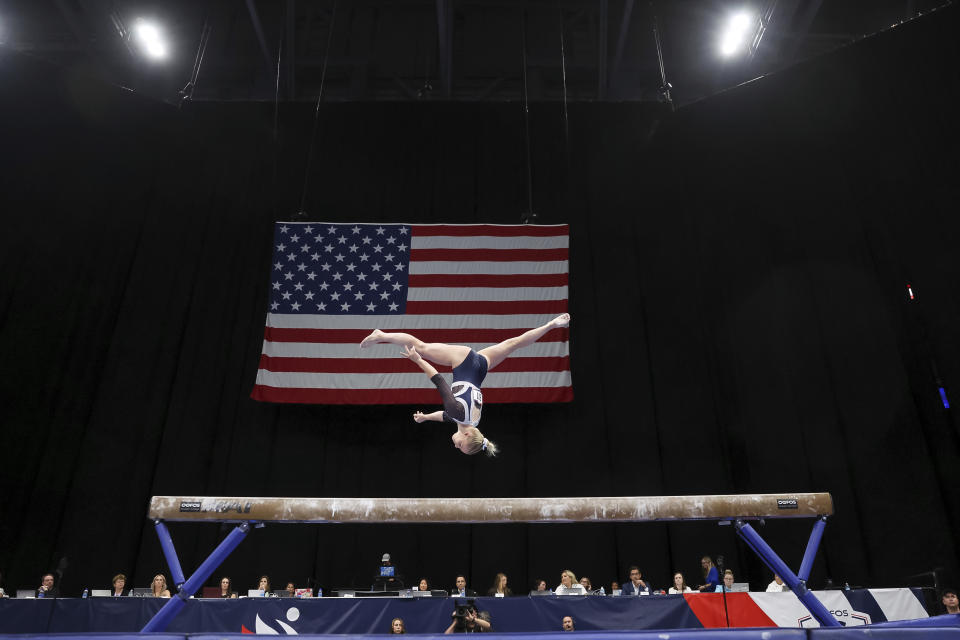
(812, 545)
(778, 566)
(173, 606)
(166, 543)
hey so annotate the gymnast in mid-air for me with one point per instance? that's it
(463, 401)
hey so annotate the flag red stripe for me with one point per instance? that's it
(449, 336)
(489, 280)
(397, 365)
(490, 230)
(486, 307)
(405, 396)
(489, 255)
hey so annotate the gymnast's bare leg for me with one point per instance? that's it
(497, 353)
(448, 354)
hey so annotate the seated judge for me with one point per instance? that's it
(636, 585)
(500, 588)
(569, 585)
(727, 583)
(777, 585)
(461, 590)
(46, 588)
(119, 582)
(226, 588)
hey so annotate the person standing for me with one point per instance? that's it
(711, 577)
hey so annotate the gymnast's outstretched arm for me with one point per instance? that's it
(451, 408)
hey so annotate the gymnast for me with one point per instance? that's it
(463, 401)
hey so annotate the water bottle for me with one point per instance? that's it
(41, 593)
(602, 592)
(131, 593)
(261, 593)
(85, 593)
(319, 592)
(846, 586)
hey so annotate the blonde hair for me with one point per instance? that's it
(476, 443)
(153, 584)
(573, 576)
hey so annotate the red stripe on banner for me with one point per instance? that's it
(485, 307)
(489, 280)
(490, 230)
(404, 396)
(449, 336)
(742, 609)
(489, 255)
(397, 365)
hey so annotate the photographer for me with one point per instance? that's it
(467, 620)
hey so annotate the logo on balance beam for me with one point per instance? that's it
(787, 503)
(216, 506)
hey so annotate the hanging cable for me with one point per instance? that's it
(563, 69)
(529, 217)
(187, 92)
(665, 86)
(316, 114)
(276, 95)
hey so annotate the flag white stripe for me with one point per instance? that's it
(494, 380)
(419, 267)
(409, 322)
(486, 293)
(381, 351)
(489, 242)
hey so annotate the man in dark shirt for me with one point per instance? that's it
(461, 589)
(567, 623)
(46, 588)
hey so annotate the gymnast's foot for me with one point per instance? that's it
(561, 320)
(371, 339)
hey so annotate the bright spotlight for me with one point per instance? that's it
(735, 36)
(150, 39)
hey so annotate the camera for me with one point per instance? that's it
(463, 608)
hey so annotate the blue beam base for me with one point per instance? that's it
(812, 545)
(170, 610)
(778, 566)
(166, 543)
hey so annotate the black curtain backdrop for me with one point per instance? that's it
(741, 323)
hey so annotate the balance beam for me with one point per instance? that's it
(247, 512)
(490, 510)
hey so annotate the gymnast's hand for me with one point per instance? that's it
(419, 417)
(411, 352)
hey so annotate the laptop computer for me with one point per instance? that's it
(387, 572)
(254, 593)
(26, 593)
(143, 592)
(100, 593)
(303, 593)
(210, 592)
(740, 587)
(282, 593)
(545, 592)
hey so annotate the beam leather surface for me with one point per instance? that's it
(491, 510)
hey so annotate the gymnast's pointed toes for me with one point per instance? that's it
(371, 339)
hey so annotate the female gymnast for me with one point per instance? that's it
(463, 401)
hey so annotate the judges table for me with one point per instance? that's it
(432, 615)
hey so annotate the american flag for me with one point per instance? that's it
(478, 284)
